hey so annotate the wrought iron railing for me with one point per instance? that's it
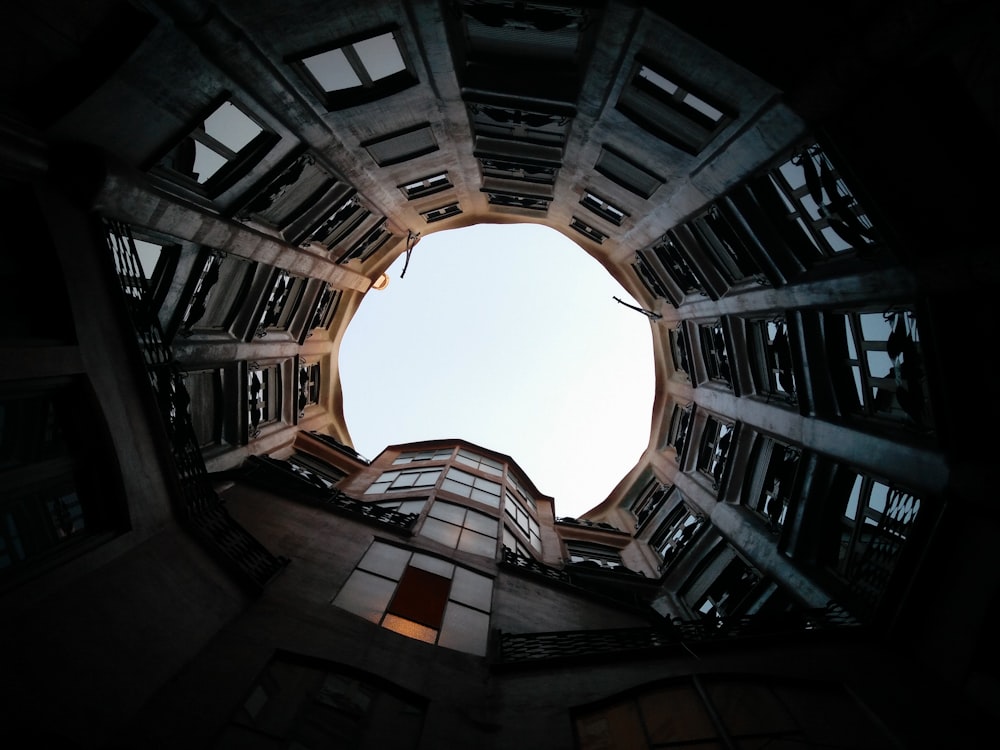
(197, 504)
(528, 648)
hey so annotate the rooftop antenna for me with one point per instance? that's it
(648, 313)
(411, 240)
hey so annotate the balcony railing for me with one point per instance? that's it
(537, 648)
(196, 502)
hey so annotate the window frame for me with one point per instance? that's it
(237, 163)
(369, 89)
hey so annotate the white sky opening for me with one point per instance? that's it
(507, 336)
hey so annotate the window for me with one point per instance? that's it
(771, 358)
(426, 186)
(587, 231)
(327, 302)
(289, 201)
(263, 396)
(603, 208)
(306, 703)
(218, 150)
(625, 172)
(442, 212)
(648, 502)
(883, 354)
(207, 390)
(358, 71)
(720, 235)
(57, 493)
(514, 169)
(669, 109)
(728, 595)
(820, 203)
(678, 349)
(421, 597)
(875, 520)
(522, 495)
(219, 289)
(480, 463)
(768, 483)
(309, 386)
(678, 530)
(715, 353)
(436, 454)
(523, 520)
(316, 471)
(588, 553)
(347, 215)
(402, 145)
(281, 303)
(511, 542)
(475, 488)
(461, 528)
(369, 243)
(406, 507)
(394, 481)
(517, 200)
(713, 452)
(518, 124)
(680, 425)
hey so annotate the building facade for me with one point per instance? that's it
(192, 553)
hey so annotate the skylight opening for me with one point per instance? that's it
(506, 336)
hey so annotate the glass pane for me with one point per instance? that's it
(366, 595)
(657, 80)
(229, 126)
(433, 565)
(852, 502)
(877, 499)
(879, 365)
(206, 162)
(702, 106)
(447, 512)
(148, 255)
(485, 498)
(442, 532)
(464, 629)
(482, 523)
(477, 544)
(385, 560)
(450, 485)
(409, 628)
(472, 589)
(332, 71)
(380, 56)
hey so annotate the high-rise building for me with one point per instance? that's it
(192, 554)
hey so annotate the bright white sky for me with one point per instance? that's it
(506, 336)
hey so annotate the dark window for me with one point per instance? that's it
(818, 200)
(713, 453)
(625, 172)
(307, 703)
(402, 145)
(768, 483)
(263, 396)
(434, 183)
(358, 71)
(715, 353)
(518, 124)
(588, 553)
(885, 375)
(58, 493)
(771, 358)
(442, 212)
(513, 200)
(680, 424)
(676, 532)
(587, 231)
(665, 106)
(513, 169)
(603, 208)
(648, 502)
(728, 594)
